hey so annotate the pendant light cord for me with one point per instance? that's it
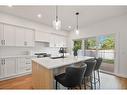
(77, 20)
(56, 13)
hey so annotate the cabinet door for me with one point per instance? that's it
(10, 67)
(42, 36)
(9, 35)
(20, 36)
(20, 65)
(1, 69)
(29, 38)
(52, 41)
(1, 34)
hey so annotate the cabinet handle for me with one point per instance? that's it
(28, 69)
(27, 63)
(26, 43)
(4, 61)
(4, 42)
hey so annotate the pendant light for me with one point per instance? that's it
(77, 27)
(57, 22)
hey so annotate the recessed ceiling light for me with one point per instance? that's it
(9, 5)
(69, 27)
(39, 15)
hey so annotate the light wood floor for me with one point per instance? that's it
(25, 82)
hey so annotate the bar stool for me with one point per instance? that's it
(72, 77)
(88, 73)
(96, 69)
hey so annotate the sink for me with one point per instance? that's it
(57, 57)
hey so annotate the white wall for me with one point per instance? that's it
(117, 25)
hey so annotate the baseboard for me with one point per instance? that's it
(121, 75)
(15, 76)
(115, 74)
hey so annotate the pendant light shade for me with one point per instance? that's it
(57, 22)
(77, 27)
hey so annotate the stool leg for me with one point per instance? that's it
(84, 83)
(79, 86)
(91, 82)
(56, 84)
(98, 77)
(94, 80)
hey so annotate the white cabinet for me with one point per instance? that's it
(1, 34)
(24, 37)
(42, 36)
(11, 67)
(1, 68)
(57, 41)
(29, 38)
(20, 36)
(7, 67)
(23, 65)
(7, 35)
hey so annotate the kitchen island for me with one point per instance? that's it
(44, 69)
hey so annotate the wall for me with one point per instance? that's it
(116, 25)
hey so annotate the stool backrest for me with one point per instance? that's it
(74, 75)
(90, 67)
(98, 64)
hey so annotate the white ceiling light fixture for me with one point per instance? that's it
(77, 27)
(10, 5)
(69, 27)
(57, 22)
(39, 15)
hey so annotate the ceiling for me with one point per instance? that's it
(87, 14)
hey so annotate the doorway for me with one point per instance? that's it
(102, 46)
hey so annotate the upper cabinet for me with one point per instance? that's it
(7, 35)
(1, 34)
(20, 36)
(24, 37)
(29, 38)
(42, 36)
(58, 41)
(16, 36)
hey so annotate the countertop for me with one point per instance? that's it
(15, 56)
(55, 63)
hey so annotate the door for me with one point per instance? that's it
(20, 36)
(106, 50)
(10, 67)
(1, 34)
(9, 35)
(29, 37)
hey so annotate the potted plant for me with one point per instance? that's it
(75, 50)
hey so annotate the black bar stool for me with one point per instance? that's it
(96, 69)
(89, 70)
(72, 78)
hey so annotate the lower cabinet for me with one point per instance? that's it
(7, 67)
(11, 67)
(23, 65)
